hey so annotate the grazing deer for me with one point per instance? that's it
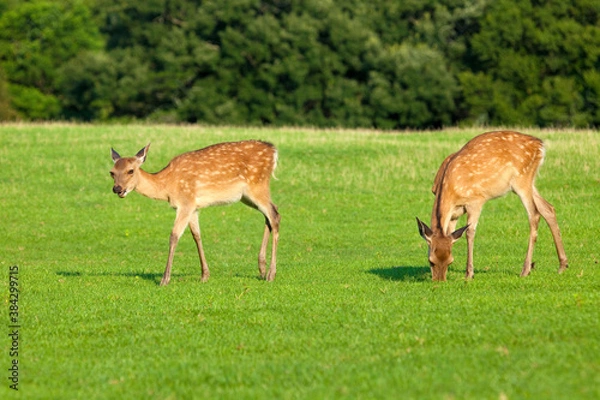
(488, 166)
(220, 174)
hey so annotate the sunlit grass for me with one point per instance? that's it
(352, 312)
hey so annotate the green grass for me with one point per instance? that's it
(352, 312)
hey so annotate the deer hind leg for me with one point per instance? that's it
(547, 211)
(534, 220)
(195, 229)
(181, 221)
(273, 226)
(262, 202)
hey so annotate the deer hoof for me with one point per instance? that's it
(270, 276)
(563, 267)
(164, 282)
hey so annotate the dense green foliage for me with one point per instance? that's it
(352, 312)
(352, 63)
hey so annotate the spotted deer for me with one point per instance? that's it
(219, 174)
(488, 166)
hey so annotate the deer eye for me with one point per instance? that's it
(112, 174)
(130, 172)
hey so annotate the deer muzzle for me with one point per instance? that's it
(119, 191)
(438, 273)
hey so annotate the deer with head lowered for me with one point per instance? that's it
(488, 166)
(219, 174)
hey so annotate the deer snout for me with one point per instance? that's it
(120, 191)
(438, 273)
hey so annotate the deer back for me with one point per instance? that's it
(487, 166)
(220, 173)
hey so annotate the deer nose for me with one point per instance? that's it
(117, 189)
(438, 273)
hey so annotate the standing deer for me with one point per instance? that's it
(219, 174)
(488, 166)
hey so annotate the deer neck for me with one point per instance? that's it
(151, 185)
(436, 217)
(443, 212)
(442, 206)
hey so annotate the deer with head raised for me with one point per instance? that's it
(219, 174)
(488, 166)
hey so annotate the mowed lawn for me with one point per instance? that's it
(352, 312)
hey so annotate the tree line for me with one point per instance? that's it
(386, 64)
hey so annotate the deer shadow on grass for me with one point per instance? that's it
(420, 274)
(149, 276)
(403, 273)
(152, 277)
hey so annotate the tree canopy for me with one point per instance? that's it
(327, 63)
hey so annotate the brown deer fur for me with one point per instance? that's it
(488, 166)
(219, 174)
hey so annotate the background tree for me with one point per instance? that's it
(355, 63)
(534, 64)
(36, 38)
(6, 111)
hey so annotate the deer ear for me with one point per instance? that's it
(424, 230)
(141, 155)
(458, 233)
(115, 156)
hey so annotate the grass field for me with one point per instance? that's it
(352, 313)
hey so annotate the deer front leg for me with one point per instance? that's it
(470, 273)
(173, 239)
(181, 221)
(195, 229)
(472, 220)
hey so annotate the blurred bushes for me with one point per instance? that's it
(380, 63)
